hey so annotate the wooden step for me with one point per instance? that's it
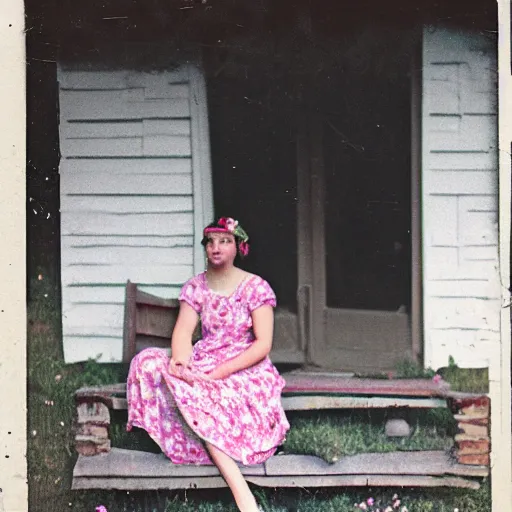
(135, 470)
(320, 391)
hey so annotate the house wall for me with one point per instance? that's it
(135, 192)
(460, 199)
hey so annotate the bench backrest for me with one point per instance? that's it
(148, 321)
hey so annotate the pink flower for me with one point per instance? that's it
(101, 508)
(396, 503)
(437, 378)
(222, 222)
(231, 224)
(370, 501)
(244, 248)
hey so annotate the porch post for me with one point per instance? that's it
(416, 204)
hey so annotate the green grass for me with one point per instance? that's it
(333, 436)
(51, 455)
(468, 380)
(290, 500)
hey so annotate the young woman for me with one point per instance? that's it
(218, 400)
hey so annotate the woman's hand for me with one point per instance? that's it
(183, 370)
(177, 367)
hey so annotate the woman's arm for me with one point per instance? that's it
(263, 327)
(181, 341)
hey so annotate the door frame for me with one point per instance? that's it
(311, 294)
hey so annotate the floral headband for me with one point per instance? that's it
(229, 225)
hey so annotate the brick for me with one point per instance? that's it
(482, 421)
(88, 429)
(95, 413)
(474, 406)
(88, 449)
(476, 460)
(470, 417)
(464, 437)
(479, 447)
(476, 431)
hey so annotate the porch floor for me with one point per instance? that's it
(130, 469)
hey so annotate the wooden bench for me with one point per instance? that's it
(149, 321)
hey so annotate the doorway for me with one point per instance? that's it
(315, 161)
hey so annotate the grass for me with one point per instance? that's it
(51, 456)
(333, 436)
(468, 380)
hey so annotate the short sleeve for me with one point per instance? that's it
(191, 294)
(260, 294)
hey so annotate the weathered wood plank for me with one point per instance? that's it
(126, 241)
(85, 130)
(132, 463)
(304, 403)
(301, 403)
(79, 98)
(478, 289)
(130, 256)
(146, 484)
(114, 294)
(362, 481)
(86, 110)
(127, 469)
(460, 160)
(433, 463)
(90, 331)
(99, 183)
(166, 145)
(81, 349)
(167, 91)
(125, 204)
(166, 127)
(122, 147)
(165, 224)
(126, 166)
(148, 146)
(396, 387)
(145, 274)
(466, 183)
(421, 481)
(98, 80)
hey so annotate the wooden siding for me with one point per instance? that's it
(460, 199)
(130, 190)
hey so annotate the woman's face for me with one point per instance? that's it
(220, 249)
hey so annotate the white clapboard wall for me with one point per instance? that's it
(460, 199)
(135, 188)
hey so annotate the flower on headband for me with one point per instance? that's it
(243, 248)
(231, 224)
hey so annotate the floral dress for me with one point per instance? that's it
(242, 414)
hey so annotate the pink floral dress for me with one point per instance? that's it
(242, 414)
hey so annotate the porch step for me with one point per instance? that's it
(135, 470)
(309, 391)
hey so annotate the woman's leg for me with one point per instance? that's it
(234, 478)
